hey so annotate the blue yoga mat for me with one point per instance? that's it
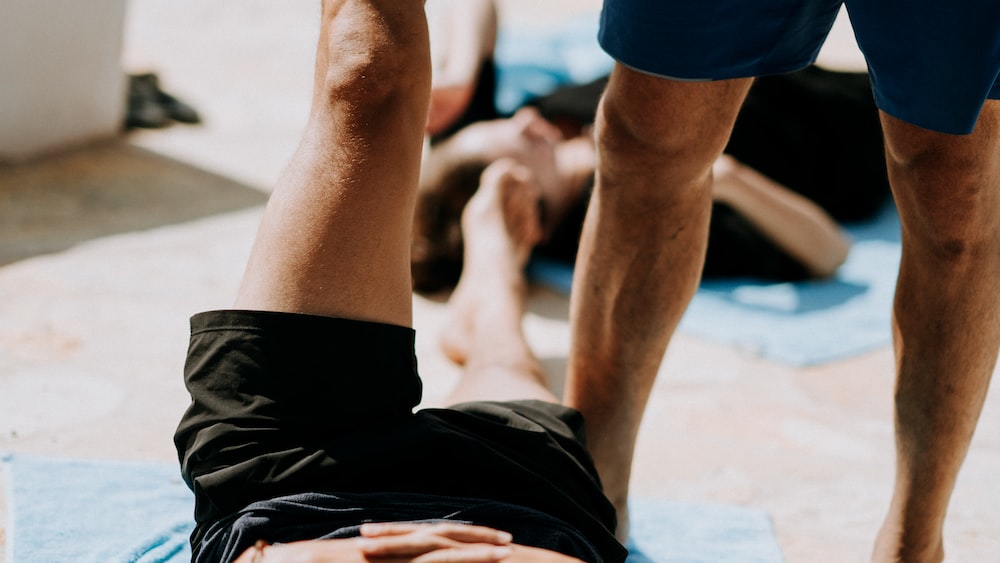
(100, 511)
(90, 511)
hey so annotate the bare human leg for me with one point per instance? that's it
(642, 251)
(335, 236)
(946, 319)
(500, 226)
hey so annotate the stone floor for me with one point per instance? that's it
(106, 250)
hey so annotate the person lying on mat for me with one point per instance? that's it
(760, 228)
(301, 442)
(805, 155)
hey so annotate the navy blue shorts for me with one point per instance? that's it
(932, 63)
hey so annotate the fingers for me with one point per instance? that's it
(435, 543)
(534, 125)
(506, 166)
(474, 554)
(465, 533)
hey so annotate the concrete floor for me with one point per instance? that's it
(113, 246)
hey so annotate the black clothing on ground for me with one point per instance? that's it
(290, 408)
(817, 132)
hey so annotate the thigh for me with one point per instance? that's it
(716, 39)
(335, 236)
(932, 63)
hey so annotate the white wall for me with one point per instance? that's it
(61, 79)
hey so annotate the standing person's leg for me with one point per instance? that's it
(946, 318)
(642, 250)
(335, 237)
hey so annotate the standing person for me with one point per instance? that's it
(301, 442)
(683, 70)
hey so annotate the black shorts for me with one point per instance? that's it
(285, 404)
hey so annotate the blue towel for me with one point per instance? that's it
(100, 511)
(677, 532)
(798, 324)
(92, 511)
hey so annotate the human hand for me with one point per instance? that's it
(447, 105)
(450, 543)
(408, 543)
(433, 543)
(339, 550)
(393, 543)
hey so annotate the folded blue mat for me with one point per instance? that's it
(100, 511)
(799, 324)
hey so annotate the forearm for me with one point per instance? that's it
(463, 34)
(797, 225)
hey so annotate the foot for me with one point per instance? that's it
(500, 227)
(891, 546)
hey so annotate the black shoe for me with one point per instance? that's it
(152, 108)
(143, 108)
(177, 110)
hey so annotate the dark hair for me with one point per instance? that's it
(437, 247)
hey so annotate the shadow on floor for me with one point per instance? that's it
(55, 202)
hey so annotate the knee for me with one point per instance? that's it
(950, 225)
(371, 53)
(924, 159)
(947, 198)
(629, 134)
(676, 128)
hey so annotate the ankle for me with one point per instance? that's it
(897, 545)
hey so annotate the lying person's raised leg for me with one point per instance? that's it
(335, 237)
(500, 226)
